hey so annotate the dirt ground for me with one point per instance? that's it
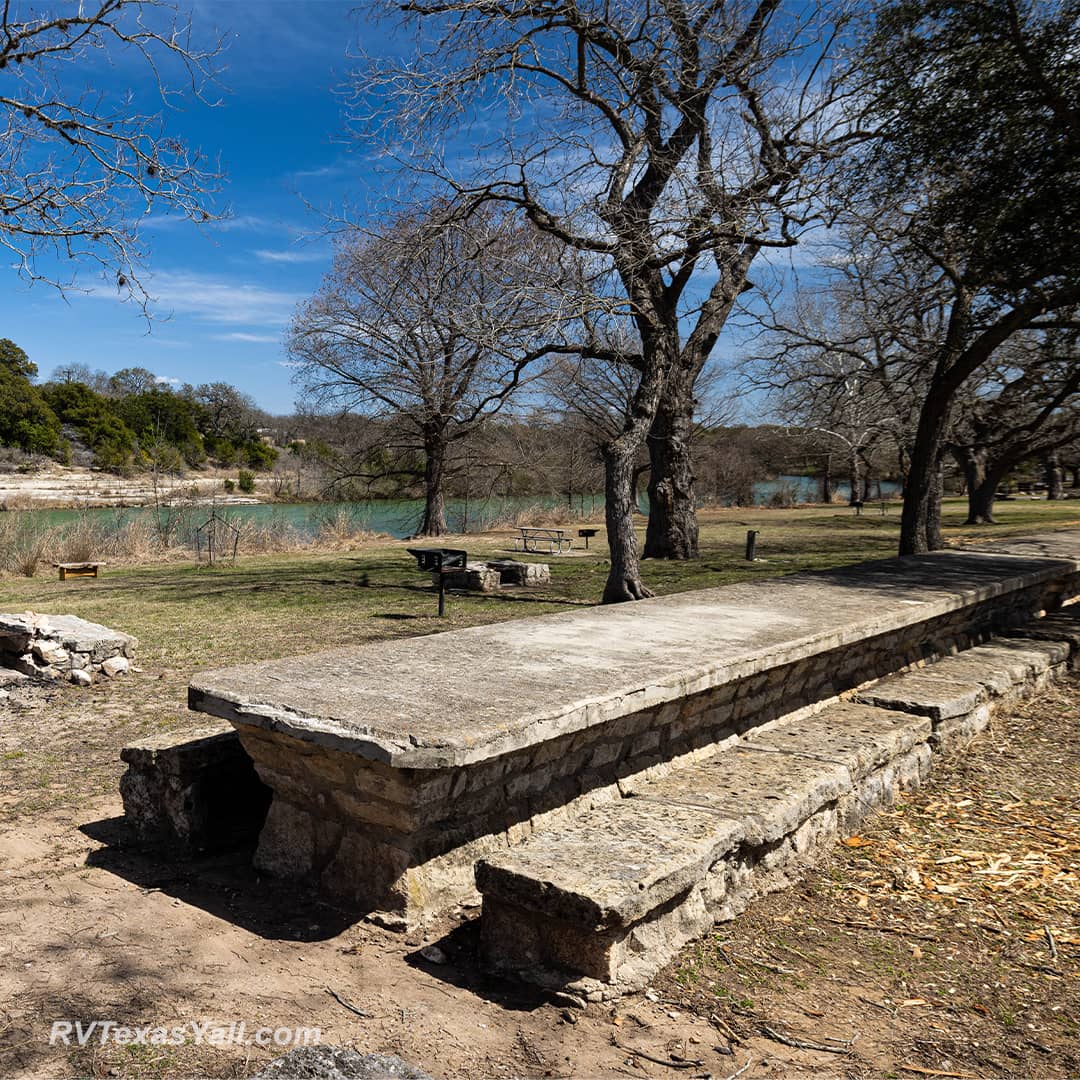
(942, 942)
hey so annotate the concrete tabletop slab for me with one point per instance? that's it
(467, 695)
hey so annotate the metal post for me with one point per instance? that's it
(442, 593)
(751, 544)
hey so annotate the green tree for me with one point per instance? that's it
(161, 418)
(15, 359)
(26, 421)
(93, 416)
(975, 188)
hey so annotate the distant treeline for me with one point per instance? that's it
(127, 422)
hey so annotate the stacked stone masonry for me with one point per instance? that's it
(600, 905)
(396, 766)
(63, 647)
(193, 794)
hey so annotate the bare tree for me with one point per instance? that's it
(668, 143)
(614, 394)
(1026, 404)
(79, 166)
(837, 364)
(431, 323)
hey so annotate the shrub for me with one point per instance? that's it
(229, 485)
(246, 481)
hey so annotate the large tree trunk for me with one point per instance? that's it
(934, 541)
(920, 522)
(1054, 476)
(673, 527)
(973, 462)
(981, 503)
(624, 579)
(434, 520)
(672, 532)
(854, 477)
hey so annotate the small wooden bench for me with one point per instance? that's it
(547, 541)
(77, 569)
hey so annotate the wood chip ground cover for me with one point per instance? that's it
(944, 939)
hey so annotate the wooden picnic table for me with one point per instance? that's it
(543, 541)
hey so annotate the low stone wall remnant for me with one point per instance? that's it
(64, 647)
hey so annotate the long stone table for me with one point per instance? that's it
(395, 765)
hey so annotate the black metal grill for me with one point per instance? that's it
(441, 561)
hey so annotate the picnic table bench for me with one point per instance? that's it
(77, 569)
(548, 541)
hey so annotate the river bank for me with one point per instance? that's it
(59, 487)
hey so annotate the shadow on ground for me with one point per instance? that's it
(225, 885)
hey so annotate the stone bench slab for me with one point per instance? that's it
(600, 904)
(615, 864)
(860, 737)
(928, 693)
(770, 793)
(1000, 664)
(619, 861)
(1059, 626)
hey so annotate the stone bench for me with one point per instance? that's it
(599, 905)
(395, 765)
(63, 647)
(193, 793)
(526, 574)
(489, 577)
(959, 693)
(1062, 625)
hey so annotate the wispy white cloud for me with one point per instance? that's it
(219, 300)
(255, 339)
(289, 255)
(167, 380)
(325, 172)
(226, 224)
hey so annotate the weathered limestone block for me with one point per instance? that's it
(194, 792)
(1062, 625)
(959, 693)
(476, 577)
(512, 572)
(56, 646)
(338, 1063)
(115, 665)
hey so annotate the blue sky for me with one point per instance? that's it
(226, 293)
